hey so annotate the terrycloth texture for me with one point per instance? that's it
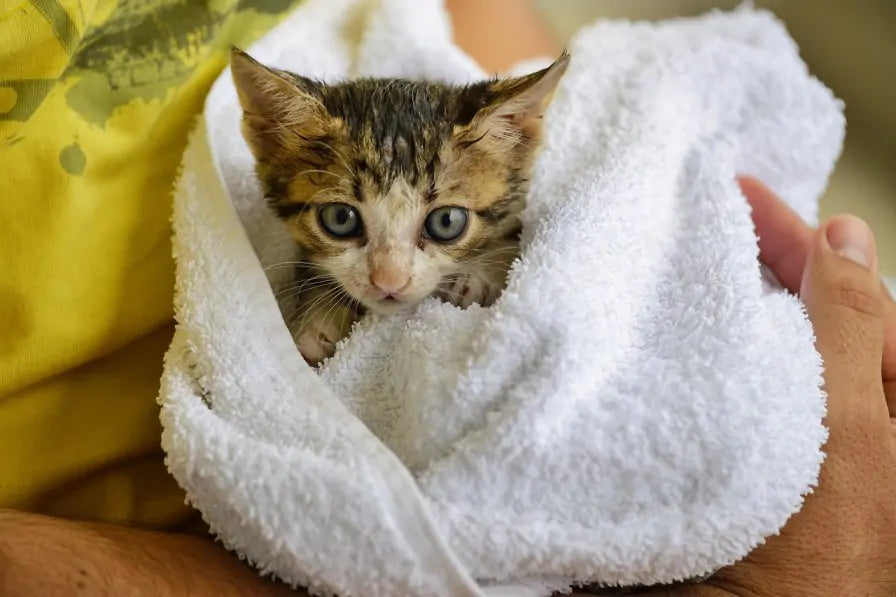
(637, 407)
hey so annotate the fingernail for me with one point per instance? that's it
(850, 237)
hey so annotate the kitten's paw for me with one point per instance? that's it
(467, 289)
(315, 347)
(318, 340)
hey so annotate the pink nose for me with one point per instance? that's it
(390, 280)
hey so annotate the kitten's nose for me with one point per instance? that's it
(391, 280)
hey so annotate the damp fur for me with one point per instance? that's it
(395, 156)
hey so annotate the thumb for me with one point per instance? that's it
(841, 290)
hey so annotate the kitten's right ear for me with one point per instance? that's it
(280, 109)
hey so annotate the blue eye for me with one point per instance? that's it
(445, 223)
(340, 220)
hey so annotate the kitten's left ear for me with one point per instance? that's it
(514, 107)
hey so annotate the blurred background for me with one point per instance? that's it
(851, 47)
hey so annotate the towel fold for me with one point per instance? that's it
(637, 407)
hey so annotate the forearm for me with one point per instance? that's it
(688, 591)
(498, 33)
(678, 590)
(53, 557)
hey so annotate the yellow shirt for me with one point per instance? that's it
(96, 100)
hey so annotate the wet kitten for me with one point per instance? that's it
(394, 190)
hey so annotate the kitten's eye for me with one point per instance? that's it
(445, 223)
(340, 220)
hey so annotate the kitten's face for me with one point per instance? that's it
(391, 188)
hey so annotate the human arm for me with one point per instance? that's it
(46, 556)
(499, 33)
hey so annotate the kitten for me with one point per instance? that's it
(393, 190)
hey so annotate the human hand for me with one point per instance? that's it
(784, 244)
(843, 540)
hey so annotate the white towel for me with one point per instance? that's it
(638, 406)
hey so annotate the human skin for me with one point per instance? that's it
(499, 33)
